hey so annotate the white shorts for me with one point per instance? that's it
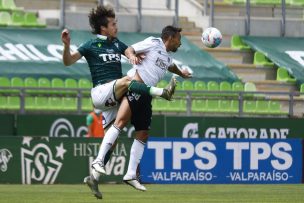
(103, 96)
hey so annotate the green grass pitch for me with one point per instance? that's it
(155, 194)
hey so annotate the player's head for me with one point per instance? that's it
(171, 37)
(102, 21)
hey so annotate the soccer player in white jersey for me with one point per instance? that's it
(137, 107)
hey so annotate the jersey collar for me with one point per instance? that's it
(103, 37)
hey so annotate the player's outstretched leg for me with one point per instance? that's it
(93, 185)
(169, 90)
(134, 183)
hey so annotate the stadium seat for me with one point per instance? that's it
(237, 43)
(41, 103)
(249, 87)
(57, 83)
(85, 84)
(17, 18)
(44, 83)
(199, 86)
(297, 2)
(55, 103)
(159, 105)
(70, 83)
(198, 105)
(249, 106)
(213, 86)
(69, 103)
(16, 82)
(225, 86)
(30, 20)
(13, 103)
(225, 106)
(237, 86)
(268, 2)
(260, 59)
(5, 19)
(283, 75)
(10, 5)
(187, 85)
(212, 105)
(5, 82)
(29, 103)
(30, 82)
(262, 107)
(3, 102)
(275, 107)
(162, 84)
(177, 105)
(178, 88)
(234, 106)
(86, 104)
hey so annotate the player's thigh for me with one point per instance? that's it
(103, 97)
(124, 114)
(109, 116)
(121, 87)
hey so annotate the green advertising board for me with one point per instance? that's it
(44, 160)
(71, 126)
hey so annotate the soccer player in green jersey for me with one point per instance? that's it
(103, 55)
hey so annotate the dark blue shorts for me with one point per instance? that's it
(141, 109)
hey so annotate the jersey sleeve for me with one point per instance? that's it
(122, 47)
(143, 46)
(82, 49)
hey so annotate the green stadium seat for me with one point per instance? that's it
(69, 103)
(30, 82)
(10, 5)
(30, 20)
(29, 103)
(85, 84)
(86, 104)
(225, 86)
(17, 18)
(5, 82)
(262, 107)
(177, 105)
(212, 105)
(213, 86)
(44, 83)
(3, 102)
(268, 2)
(13, 103)
(234, 106)
(199, 105)
(55, 103)
(249, 106)
(237, 43)
(199, 86)
(5, 19)
(159, 105)
(225, 106)
(297, 3)
(237, 86)
(58, 83)
(283, 75)
(42, 103)
(178, 88)
(249, 87)
(162, 84)
(260, 59)
(16, 82)
(274, 107)
(70, 83)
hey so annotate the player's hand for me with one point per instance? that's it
(135, 60)
(186, 73)
(65, 37)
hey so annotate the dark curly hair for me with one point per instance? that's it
(169, 31)
(99, 17)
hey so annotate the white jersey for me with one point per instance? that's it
(156, 62)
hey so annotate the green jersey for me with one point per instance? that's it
(103, 57)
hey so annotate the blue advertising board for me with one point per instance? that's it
(178, 160)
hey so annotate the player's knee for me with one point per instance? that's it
(121, 123)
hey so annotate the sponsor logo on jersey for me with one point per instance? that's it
(161, 63)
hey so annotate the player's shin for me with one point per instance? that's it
(136, 154)
(142, 88)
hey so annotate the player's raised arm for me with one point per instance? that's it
(68, 58)
(183, 73)
(133, 58)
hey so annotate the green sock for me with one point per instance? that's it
(139, 88)
(142, 88)
(107, 157)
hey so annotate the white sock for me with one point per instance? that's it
(107, 142)
(137, 151)
(156, 91)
